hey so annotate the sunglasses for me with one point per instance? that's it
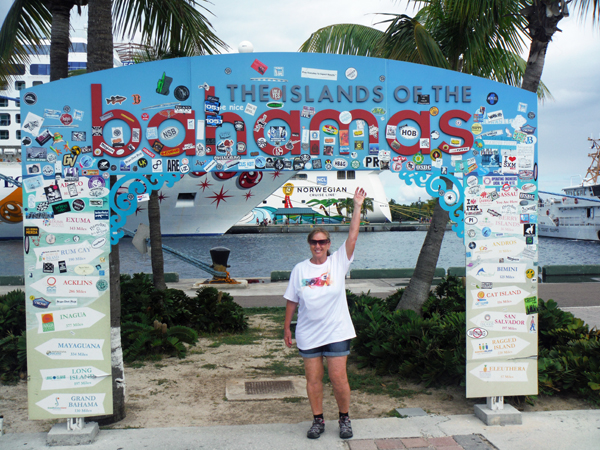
(321, 242)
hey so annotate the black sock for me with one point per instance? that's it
(344, 415)
(319, 416)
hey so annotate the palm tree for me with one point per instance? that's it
(483, 38)
(542, 18)
(347, 204)
(175, 25)
(475, 37)
(366, 206)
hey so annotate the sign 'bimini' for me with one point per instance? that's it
(157, 122)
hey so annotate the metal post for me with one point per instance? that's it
(75, 424)
(495, 403)
(1, 425)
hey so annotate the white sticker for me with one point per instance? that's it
(319, 74)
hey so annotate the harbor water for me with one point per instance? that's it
(257, 255)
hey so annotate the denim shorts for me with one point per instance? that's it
(334, 349)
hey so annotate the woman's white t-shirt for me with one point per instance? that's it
(320, 291)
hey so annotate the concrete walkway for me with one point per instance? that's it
(555, 430)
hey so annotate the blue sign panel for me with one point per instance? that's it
(275, 111)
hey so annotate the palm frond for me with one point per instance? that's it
(176, 25)
(344, 39)
(405, 39)
(25, 26)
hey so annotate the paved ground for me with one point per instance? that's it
(554, 430)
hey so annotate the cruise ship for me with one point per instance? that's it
(327, 194)
(200, 203)
(576, 213)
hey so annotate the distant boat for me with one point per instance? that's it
(576, 213)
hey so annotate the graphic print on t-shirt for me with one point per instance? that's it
(320, 281)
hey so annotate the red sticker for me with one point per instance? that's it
(259, 67)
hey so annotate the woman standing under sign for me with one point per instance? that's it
(324, 326)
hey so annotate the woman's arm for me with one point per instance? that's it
(359, 198)
(290, 309)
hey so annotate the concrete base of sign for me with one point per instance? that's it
(59, 435)
(507, 416)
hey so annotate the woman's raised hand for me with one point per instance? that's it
(359, 197)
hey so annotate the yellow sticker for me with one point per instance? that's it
(434, 111)
(530, 273)
(476, 128)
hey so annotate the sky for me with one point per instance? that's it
(571, 72)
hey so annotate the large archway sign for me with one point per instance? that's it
(152, 123)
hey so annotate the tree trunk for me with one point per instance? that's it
(535, 65)
(100, 57)
(418, 288)
(60, 41)
(156, 253)
(542, 22)
(100, 38)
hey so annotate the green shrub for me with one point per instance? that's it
(212, 311)
(12, 313)
(141, 341)
(569, 354)
(431, 349)
(13, 357)
(13, 345)
(449, 297)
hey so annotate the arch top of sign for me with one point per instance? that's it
(287, 111)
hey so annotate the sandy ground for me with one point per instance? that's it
(191, 392)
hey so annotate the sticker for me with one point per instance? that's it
(319, 74)
(345, 117)
(181, 93)
(351, 73)
(163, 84)
(259, 67)
(492, 98)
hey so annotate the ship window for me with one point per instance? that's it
(78, 47)
(19, 85)
(185, 200)
(3, 134)
(18, 134)
(77, 65)
(39, 69)
(351, 175)
(18, 118)
(4, 120)
(341, 175)
(3, 102)
(265, 202)
(303, 201)
(590, 213)
(37, 83)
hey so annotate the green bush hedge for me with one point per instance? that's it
(13, 347)
(432, 348)
(153, 322)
